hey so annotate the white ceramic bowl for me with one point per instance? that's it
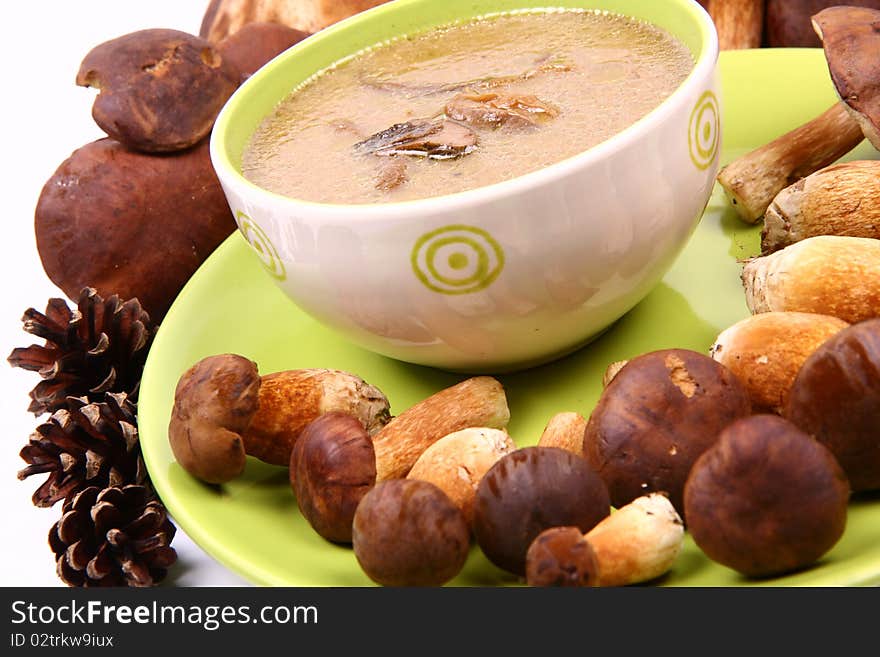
(553, 257)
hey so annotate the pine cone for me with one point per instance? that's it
(113, 537)
(85, 444)
(99, 347)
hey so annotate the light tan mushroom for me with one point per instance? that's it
(851, 42)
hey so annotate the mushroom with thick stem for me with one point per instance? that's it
(739, 23)
(828, 274)
(850, 43)
(766, 499)
(843, 199)
(528, 491)
(224, 410)
(407, 532)
(335, 462)
(637, 543)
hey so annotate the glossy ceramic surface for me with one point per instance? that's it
(499, 277)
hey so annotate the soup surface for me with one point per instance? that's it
(464, 106)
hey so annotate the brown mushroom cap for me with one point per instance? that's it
(213, 405)
(332, 467)
(528, 491)
(409, 533)
(561, 556)
(766, 499)
(160, 90)
(851, 39)
(253, 45)
(836, 399)
(655, 418)
(129, 223)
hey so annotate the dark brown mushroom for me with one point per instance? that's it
(332, 468)
(160, 90)
(851, 41)
(255, 44)
(561, 556)
(407, 532)
(528, 491)
(655, 418)
(129, 223)
(836, 399)
(766, 499)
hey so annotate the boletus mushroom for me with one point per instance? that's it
(159, 90)
(836, 399)
(407, 532)
(851, 41)
(841, 199)
(766, 499)
(528, 491)
(636, 543)
(335, 462)
(661, 411)
(130, 223)
(828, 274)
(224, 410)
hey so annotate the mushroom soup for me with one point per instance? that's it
(464, 106)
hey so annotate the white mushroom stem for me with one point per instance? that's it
(638, 542)
(752, 181)
(739, 23)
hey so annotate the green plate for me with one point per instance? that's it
(231, 305)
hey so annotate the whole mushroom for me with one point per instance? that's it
(159, 90)
(637, 543)
(766, 499)
(657, 415)
(130, 223)
(836, 399)
(224, 410)
(409, 533)
(528, 491)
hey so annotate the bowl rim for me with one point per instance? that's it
(230, 174)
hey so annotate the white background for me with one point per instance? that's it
(44, 116)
